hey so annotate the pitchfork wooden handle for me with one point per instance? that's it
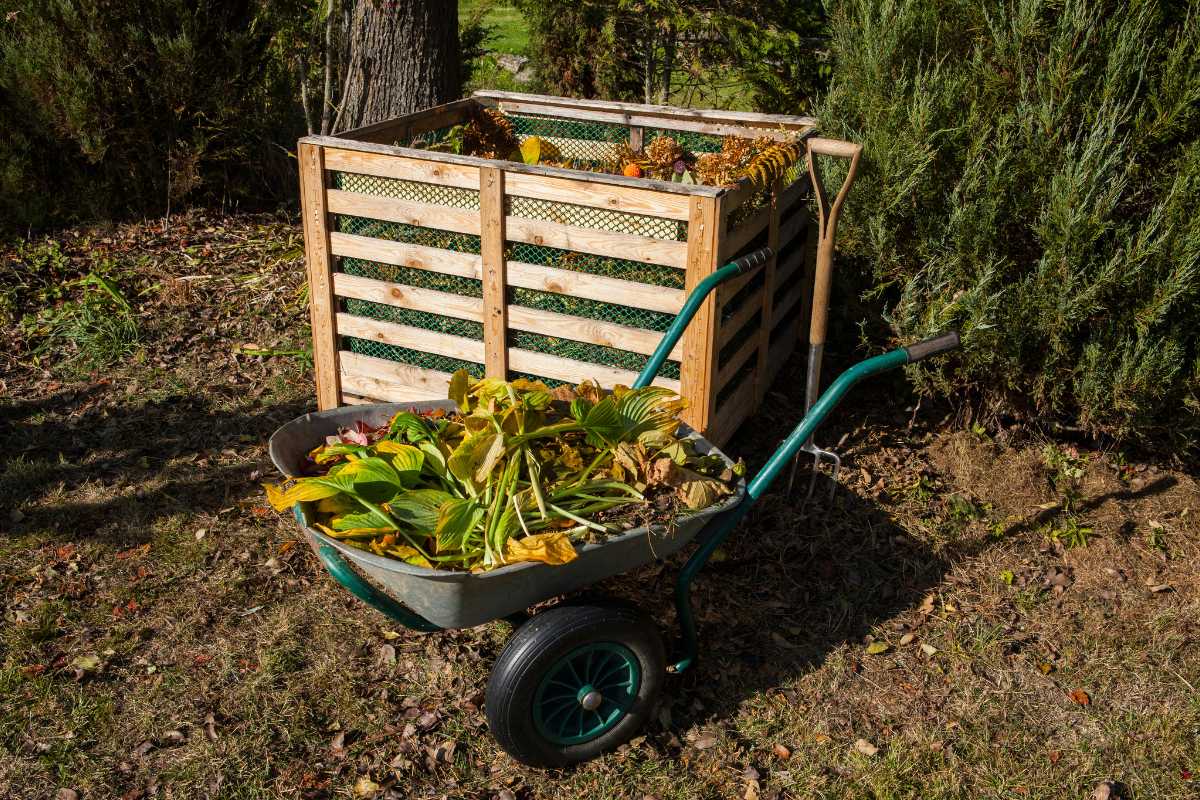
(827, 217)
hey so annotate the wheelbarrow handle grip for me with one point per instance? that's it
(931, 347)
(752, 261)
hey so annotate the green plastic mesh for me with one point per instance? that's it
(636, 271)
(416, 191)
(592, 309)
(591, 353)
(418, 319)
(597, 218)
(412, 234)
(404, 355)
(688, 140)
(421, 278)
(591, 143)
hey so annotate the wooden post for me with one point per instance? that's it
(494, 273)
(766, 322)
(636, 132)
(700, 347)
(321, 303)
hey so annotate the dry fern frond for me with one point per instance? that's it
(771, 161)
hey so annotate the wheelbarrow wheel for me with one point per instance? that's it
(574, 682)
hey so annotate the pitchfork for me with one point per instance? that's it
(827, 217)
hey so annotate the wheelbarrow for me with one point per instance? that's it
(581, 677)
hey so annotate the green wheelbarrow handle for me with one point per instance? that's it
(761, 482)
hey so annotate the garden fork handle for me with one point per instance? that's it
(827, 219)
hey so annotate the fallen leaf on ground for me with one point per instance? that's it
(781, 751)
(1105, 790)
(705, 742)
(865, 747)
(928, 649)
(907, 639)
(1159, 587)
(1081, 697)
(875, 648)
(365, 787)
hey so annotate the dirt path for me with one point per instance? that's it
(976, 614)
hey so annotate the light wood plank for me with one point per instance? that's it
(495, 282)
(390, 381)
(442, 344)
(589, 193)
(526, 276)
(603, 178)
(408, 212)
(568, 369)
(405, 169)
(404, 127)
(412, 297)
(354, 400)
(729, 289)
(602, 243)
(313, 202)
(699, 366)
(590, 331)
(744, 233)
(731, 327)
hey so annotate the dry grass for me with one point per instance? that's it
(165, 637)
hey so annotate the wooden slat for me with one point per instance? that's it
(602, 243)
(406, 211)
(793, 226)
(368, 376)
(790, 296)
(591, 331)
(789, 270)
(495, 282)
(785, 121)
(568, 369)
(699, 342)
(354, 400)
(732, 327)
(731, 368)
(599, 178)
(442, 344)
(526, 276)
(744, 233)
(735, 410)
(728, 290)
(548, 323)
(405, 127)
(589, 193)
(768, 297)
(402, 296)
(405, 169)
(317, 260)
(637, 139)
(794, 193)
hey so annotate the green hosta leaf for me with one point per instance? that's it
(602, 423)
(476, 457)
(371, 478)
(347, 522)
(435, 459)
(419, 508)
(459, 383)
(407, 425)
(455, 522)
(580, 408)
(408, 461)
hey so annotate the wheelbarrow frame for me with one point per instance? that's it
(513, 684)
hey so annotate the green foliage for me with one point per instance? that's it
(119, 107)
(1031, 175)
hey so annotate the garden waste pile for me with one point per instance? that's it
(519, 473)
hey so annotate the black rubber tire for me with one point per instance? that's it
(540, 643)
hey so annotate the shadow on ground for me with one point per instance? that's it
(79, 466)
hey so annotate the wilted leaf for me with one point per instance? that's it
(549, 548)
(366, 788)
(906, 639)
(1081, 697)
(928, 649)
(875, 648)
(865, 747)
(781, 751)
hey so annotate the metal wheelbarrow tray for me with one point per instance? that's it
(456, 599)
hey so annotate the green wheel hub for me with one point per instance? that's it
(586, 693)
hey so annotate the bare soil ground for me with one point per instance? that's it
(977, 613)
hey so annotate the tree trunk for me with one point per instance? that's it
(403, 57)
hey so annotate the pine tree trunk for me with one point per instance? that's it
(403, 57)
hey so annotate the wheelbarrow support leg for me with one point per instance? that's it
(761, 483)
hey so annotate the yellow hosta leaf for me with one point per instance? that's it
(549, 548)
(409, 555)
(302, 492)
(338, 504)
(353, 533)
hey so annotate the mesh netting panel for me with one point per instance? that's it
(407, 190)
(734, 345)
(655, 274)
(421, 278)
(417, 319)
(597, 218)
(410, 234)
(529, 376)
(404, 355)
(592, 309)
(591, 353)
(592, 143)
(689, 140)
(428, 138)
